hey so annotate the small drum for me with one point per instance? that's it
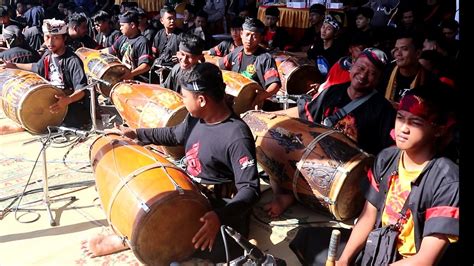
(26, 98)
(321, 166)
(144, 105)
(102, 66)
(242, 89)
(147, 200)
(296, 73)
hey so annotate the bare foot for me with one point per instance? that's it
(101, 245)
(279, 204)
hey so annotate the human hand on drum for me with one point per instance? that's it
(123, 131)
(205, 237)
(61, 104)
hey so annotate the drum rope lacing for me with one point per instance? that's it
(129, 177)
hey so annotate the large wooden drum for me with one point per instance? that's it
(144, 105)
(241, 90)
(102, 66)
(147, 200)
(296, 73)
(26, 97)
(321, 166)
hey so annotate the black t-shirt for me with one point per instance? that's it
(172, 81)
(107, 40)
(85, 41)
(34, 37)
(70, 66)
(165, 46)
(216, 154)
(132, 51)
(260, 66)
(19, 55)
(150, 33)
(403, 85)
(369, 125)
(223, 48)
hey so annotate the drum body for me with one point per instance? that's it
(321, 166)
(148, 200)
(241, 89)
(26, 98)
(296, 73)
(102, 66)
(212, 59)
(144, 105)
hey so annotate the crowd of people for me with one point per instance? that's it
(390, 84)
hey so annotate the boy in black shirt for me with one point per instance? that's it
(132, 48)
(220, 151)
(78, 33)
(189, 54)
(227, 46)
(165, 43)
(106, 34)
(253, 61)
(65, 70)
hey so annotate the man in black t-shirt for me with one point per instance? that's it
(220, 151)
(165, 43)
(78, 30)
(189, 54)
(132, 48)
(369, 124)
(227, 46)
(106, 34)
(253, 61)
(65, 70)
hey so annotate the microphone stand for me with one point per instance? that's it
(47, 200)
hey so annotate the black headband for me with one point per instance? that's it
(128, 19)
(192, 50)
(196, 86)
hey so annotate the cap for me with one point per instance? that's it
(332, 21)
(376, 56)
(54, 27)
(317, 8)
(254, 25)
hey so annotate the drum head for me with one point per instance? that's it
(113, 76)
(299, 81)
(165, 233)
(349, 199)
(244, 98)
(34, 112)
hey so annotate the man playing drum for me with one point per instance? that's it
(189, 54)
(369, 124)
(253, 61)
(220, 151)
(63, 69)
(132, 48)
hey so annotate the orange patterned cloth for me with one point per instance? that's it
(289, 17)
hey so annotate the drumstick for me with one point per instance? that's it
(333, 244)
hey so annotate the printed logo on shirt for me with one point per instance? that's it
(192, 157)
(249, 72)
(245, 162)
